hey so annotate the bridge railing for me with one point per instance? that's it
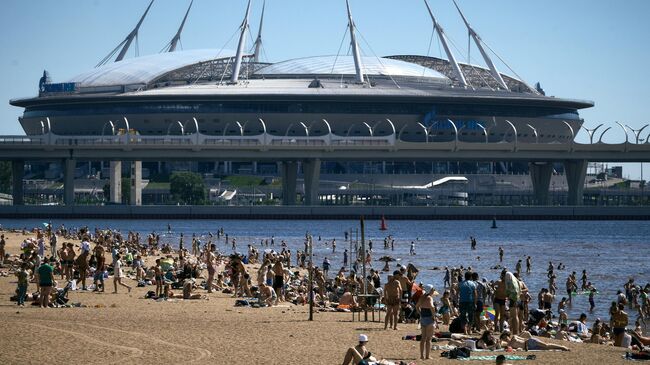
(23, 140)
(330, 140)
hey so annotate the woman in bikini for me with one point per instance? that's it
(426, 308)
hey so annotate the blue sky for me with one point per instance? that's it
(594, 50)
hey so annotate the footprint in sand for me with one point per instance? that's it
(136, 352)
(203, 353)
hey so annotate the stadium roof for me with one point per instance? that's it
(344, 65)
(144, 69)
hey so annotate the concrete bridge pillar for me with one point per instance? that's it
(115, 177)
(289, 177)
(311, 172)
(540, 174)
(136, 183)
(575, 172)
(17, 173)
(69, 166)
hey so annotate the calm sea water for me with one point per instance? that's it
(610, 251)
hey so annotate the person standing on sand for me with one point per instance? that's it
(82, 267)
(209, 261)
(158, 276)
(427, 320)
(118, 274)
(23, 283)
(45, 282)
(278, 279)
(467, 302)
(392, 297)
(2, 249)
(500, 303)
(619, 321)
(68, 261)
(53, 245)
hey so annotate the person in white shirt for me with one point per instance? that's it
(118, 274)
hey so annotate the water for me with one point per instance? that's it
(610, 251)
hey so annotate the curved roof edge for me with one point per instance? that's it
(144, 69)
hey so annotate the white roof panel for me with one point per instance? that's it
(144, 69)
(344, 65)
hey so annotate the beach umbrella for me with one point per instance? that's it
(488, 313)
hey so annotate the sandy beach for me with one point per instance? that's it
(125, 328)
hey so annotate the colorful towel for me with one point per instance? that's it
(494, 357)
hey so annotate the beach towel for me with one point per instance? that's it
(494, 357)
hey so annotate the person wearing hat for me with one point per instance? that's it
(358, 355)
(426, 309)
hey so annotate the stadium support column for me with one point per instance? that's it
(136, 183)
(17, 173)
(289, 177)
(68, 181)
(575, 172)
(540, 174)
(311, 172)
(116, 181)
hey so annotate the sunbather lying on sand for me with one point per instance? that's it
(527, 342)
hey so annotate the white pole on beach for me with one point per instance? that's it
(363, 265)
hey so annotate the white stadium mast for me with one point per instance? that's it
(177, 37)
(126, 42)
(355, 47)
(258, 40)
(240, 48)
(443, 40)
(479, 44)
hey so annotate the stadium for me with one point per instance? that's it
(222, 92)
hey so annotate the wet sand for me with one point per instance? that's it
(124, 328)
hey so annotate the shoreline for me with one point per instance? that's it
(327, 212)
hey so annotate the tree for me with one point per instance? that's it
(187, 188)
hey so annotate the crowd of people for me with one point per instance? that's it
(477, 312)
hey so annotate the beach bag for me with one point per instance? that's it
(459, 352)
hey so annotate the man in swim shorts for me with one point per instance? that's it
(392, 295)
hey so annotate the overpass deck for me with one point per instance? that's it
(267, 147)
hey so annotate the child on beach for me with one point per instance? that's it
(23, 282)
